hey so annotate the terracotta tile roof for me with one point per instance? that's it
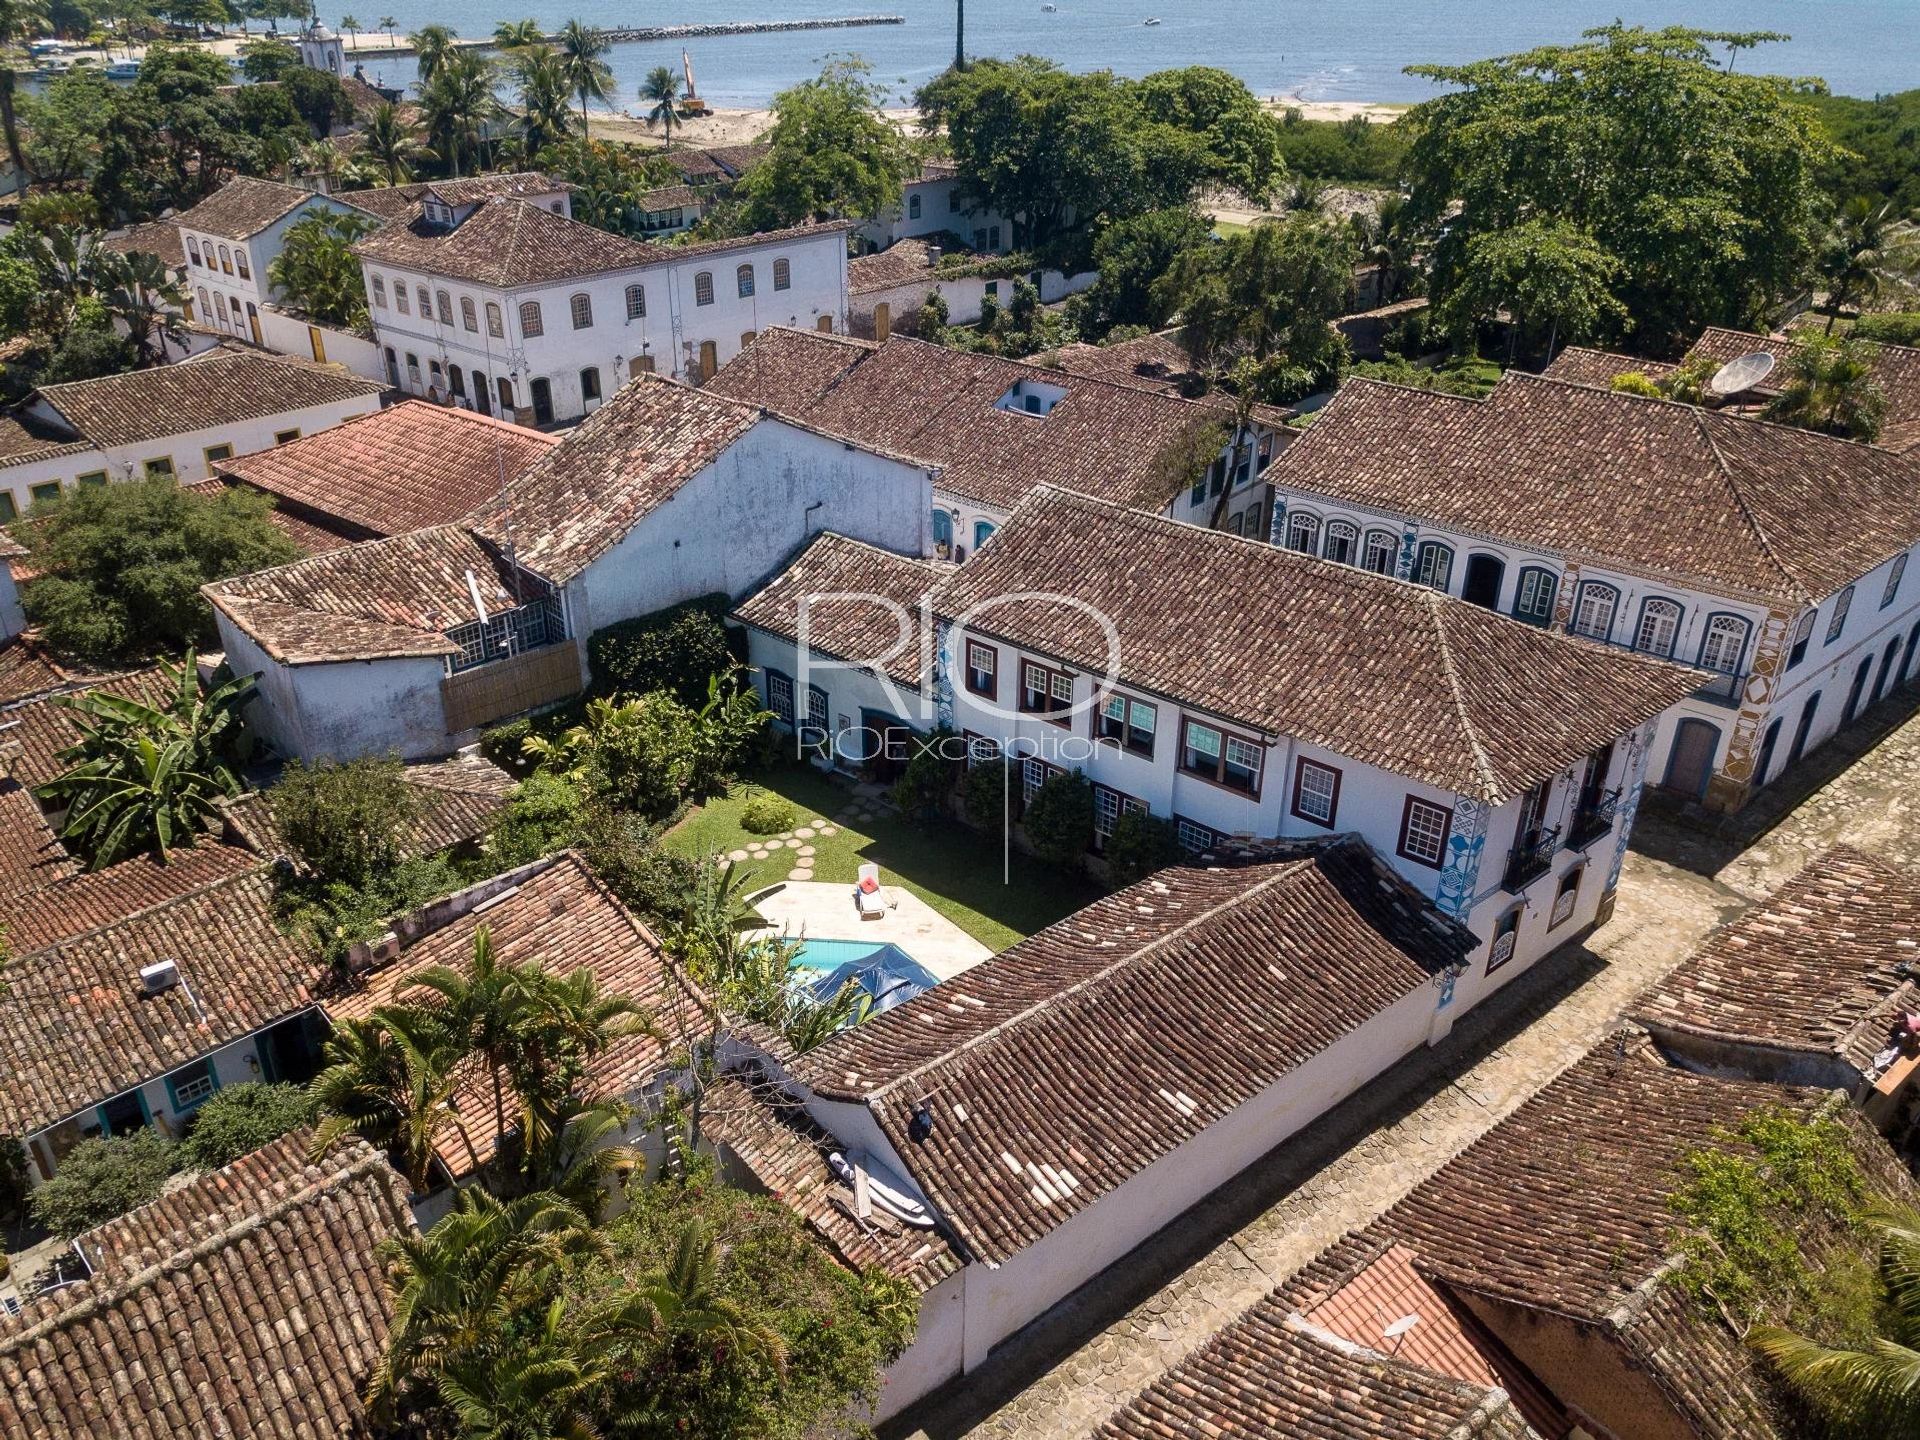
(1895, 367)
(696, 165)
(154, 237)
(74, 903)
(380, 599)
(1158, 363)
(1816, 966)
(42, 727)
(1383, 671)
(389, 202)
(736, 160)
(902, 263)
(680, 251)
(563, 916)
(939, 405)
(242, 974)
(31, 857)
(27, 668)
(784, 1153)
(669, 197)
(1598, 368)
(244, 206)
(458, 800)
(258, 1307)
(309, 532)
(1719, 501)
(1042, 1095)
(504, 243)
(846, 628)
(19, 445)
(403, 468)
(579, 500)
(1272, 1377)
(222, 387)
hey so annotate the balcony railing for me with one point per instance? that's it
(1728, 690)
(511, 632)
(1593, 821)
(1531, 858)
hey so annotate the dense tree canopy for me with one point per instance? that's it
(1241, 141)
(1131, 256)
(833, 154)
(1701, 186)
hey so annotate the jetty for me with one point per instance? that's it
(368, 44)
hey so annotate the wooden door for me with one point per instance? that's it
(1690, 765)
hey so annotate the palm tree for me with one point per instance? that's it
(1873, 1388)
(68, 263)
(1386, 242)
(19, 19)
(542, 1387)
(662, 89)
(391, 1079)
(545, 89)
(457, 105)
(685, 1306)
(518, 34)
(1869, 248)
(487, 1007)
(356, 1091)
(1831, 388)
(387, 22)
(432, 44)
(352, 26)
(148, 301)
(584, 51)
(586, 1156)
(570, 1022)
(387, 140)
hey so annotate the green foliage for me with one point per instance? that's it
(350, 821)
(1890, 328)
(545, 90)
(1131, 256)
(927, 781)
(90, 349)
(833, 153)
(1021, 327)
(768, 814)
(148, 777)
(1829, 387)
(1878, 146)
(544, 815)
(1695, 188)
(318, 98)
(1633, 382)
(457, 105)
(67, 123)
(265, 60)
(120, 566)
(678, 650)
(1059, 819)
(1469, 376)
(1240, 140)
(1355, 151)
(101, 1178)
(1555, 279)
(334, 917)
(985, 792)
(660, 93)
(1140, 844)
(1870, 249)
(16, 1182)
(316, 269)
(240, 1119)
(610, 179)
(646, 755)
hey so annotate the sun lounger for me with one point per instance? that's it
(867, 897)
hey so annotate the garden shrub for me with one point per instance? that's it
(104, 1177)
(1894, 328)
(349, 822)
(1059, 818)
(768, 814)
(1141, 844)
(676, 650)
(924, 785)
(240, 1119)
(543, 816)
(984, 793)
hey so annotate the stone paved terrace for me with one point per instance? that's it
(1074, 1366)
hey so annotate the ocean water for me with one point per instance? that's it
(1354, 50)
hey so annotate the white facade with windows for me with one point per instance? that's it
(227, 275)
(932, 204)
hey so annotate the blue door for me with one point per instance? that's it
(943, 530)
(981, 530)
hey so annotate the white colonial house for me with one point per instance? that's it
(1773, 558)
(408, 643)
(505, 303)
(231, 237)
(932, 204)
(178, 420)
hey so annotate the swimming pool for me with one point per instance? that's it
(886, 972)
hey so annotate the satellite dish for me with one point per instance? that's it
(1400, 1327)
(1740, 375)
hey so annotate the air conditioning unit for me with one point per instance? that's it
(159, 977)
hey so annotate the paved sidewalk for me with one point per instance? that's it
(1075, 1365)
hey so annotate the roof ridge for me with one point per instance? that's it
(1450, 667)
(250, 873)
(1284, 870)
(1740, 502)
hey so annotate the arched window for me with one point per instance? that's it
(743, 280)
(590, 383)
(913, 207)
(193, 250)
(943, 530)
(1303, 533)
(782, 275)
(1433, 565)
(703, 288)
(530, 318)
(636, 302)
(1659, 626)
(1593, 614)
(446, 308)
(468, 320)
(1379, 552)
(580, 306)
(234, 301)
(400, 300)
(495, 326)
(981, 530)
(456, 382)
(1724, 646)
(226, 260)
(240, 264)
(1894, 576)
(426, 302)
(506, 396)
(206, 305)
(379, 292)
(1342, 542)
(1533, 598)
(1838, 621)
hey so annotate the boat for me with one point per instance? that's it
(123, 70)
(1049, 8)
(886, 1189)
(1152, 20)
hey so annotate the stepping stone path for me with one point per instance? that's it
(794, 840)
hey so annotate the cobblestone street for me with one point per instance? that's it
(1688, 873)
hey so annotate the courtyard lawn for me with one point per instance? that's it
(955, 870)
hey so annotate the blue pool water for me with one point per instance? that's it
(825, 955)
(886, 972)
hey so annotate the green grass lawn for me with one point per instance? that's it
(952, 868)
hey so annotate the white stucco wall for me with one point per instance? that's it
(963, 294)
(291, 335)
(941, 209)
(850, 692)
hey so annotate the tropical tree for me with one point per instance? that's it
(518, 34)
(457, 104)
(1555, 279)
(487, 1007)
(386, 140)
(831, 153)
(584, 51)
(432, 44)
(386, 23)
(1388, 244)
(146, 299)
(316, 269)
(1872, 1388)
(19, 19)
(1869, 249)
(661, 90)
(70, 265)
(351, 26)
(544, 84)
(391, 1079)
(688, 1310)
(1830, 387)
(148, 776)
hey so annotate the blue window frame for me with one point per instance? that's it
(189, 1087)
(1534, 596)
(1433, 566)
(981, 530)
(942, 528)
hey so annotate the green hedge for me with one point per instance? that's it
(676, 650)
(1896, 328)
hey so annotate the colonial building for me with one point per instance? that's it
(888, 288)
(997, 429)
(1499, 764)
(1773, 558)
(506, 303)
(408, 644)
(932, 205)
(175, 420)
(231, 237)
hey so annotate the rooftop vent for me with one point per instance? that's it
(159, 977)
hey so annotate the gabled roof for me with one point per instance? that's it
(389, 202)
(222, 387)
(152, 237)
(1053, 1074)
(252, 1302)
(504, 243)
(458, 800)
(244, 206)
(27, 669)
(1818, 966)
(42, 727)
(939, 405)
(1389, 673)
(1718, 501)
(242, 974)
(847, 627)
(579, 499)
(71, 901)
(1895, 367)
(1600, 368)
(381, 599)
(403, 468)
